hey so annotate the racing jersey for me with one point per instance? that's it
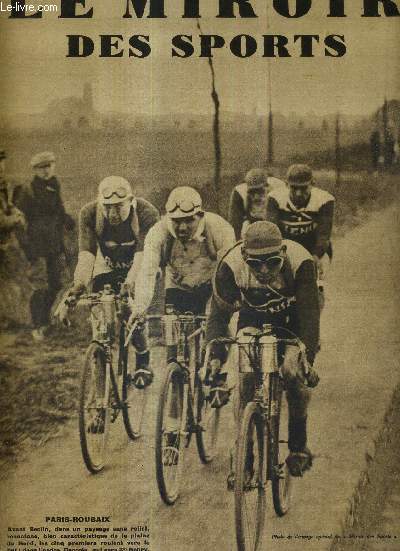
(187, 265)
(105, 248)
(311, 226)
(243, 212)
(290, 301)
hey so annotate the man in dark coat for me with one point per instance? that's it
(46, 219)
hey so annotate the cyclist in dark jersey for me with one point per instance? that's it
(111, 238)
(268, 280)
(304, 213)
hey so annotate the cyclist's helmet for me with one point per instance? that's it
(262, 238)
(183, 201)
(256, 178)
(299, 174)
(114, 189)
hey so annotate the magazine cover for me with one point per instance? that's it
(199, 275)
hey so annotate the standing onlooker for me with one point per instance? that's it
(248, 202)
(13, 281)
(11, 218)
(375, 148)
(44, 237)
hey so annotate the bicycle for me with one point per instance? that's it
(106, 391)
(184, 408)
(261, 446)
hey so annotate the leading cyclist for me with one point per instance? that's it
(268, 280)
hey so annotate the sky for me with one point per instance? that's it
(35, 69)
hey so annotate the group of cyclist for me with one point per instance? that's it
(264, 264)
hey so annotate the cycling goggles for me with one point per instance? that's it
(271, 263)
(183, 208)
(120, 192)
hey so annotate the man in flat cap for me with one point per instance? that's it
(46, 218)
(304, 213)
(248, 201)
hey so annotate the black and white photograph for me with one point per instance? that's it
(199, 291)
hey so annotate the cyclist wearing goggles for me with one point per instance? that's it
(185, 242)
(111, 238)
(248, 201)
(268, 280)
(304, 213)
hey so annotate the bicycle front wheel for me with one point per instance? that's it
(134, 399)
(170, 433)
(94, 410)
(207, 420)
(250, 480)
(278, 450)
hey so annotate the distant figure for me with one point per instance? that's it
(375, 148)
(44, 238)
(388, 148)
(248, 201)
(13, 281)
(11, 218)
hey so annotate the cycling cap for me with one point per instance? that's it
(262, 238)
(114, 189)
(299, 174)
(182, 202)
(256, 178)
(43, 159)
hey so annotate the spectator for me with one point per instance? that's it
(375, 148)
(11, 218)
(248, 202)
(44, 237)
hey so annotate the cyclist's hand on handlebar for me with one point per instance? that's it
(126, 290)
(73, 294)
(68, 301)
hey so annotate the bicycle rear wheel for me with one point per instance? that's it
(278, 450)
(170, 433)
(94, 410)
(134, 399)
(250, 480)
(207, 420)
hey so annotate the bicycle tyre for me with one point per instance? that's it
(134, 399)
(277, 449)
(207, 421)
(249, 538)
(94, 461)
(169, 457)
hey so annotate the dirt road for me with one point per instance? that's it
(359, 368)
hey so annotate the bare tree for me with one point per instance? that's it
(216, 129)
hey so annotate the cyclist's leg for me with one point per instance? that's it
(143, 375)
(298, 397)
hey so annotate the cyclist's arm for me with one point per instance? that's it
(272, 210)
(324, 228)
(146, 277)
(307, 306)
(87, 246)
(148, 215)
(236, 213)
(223, 234)
(224, 303)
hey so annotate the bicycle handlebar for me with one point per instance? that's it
(309, 373)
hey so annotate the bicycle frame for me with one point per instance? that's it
(104, 321)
